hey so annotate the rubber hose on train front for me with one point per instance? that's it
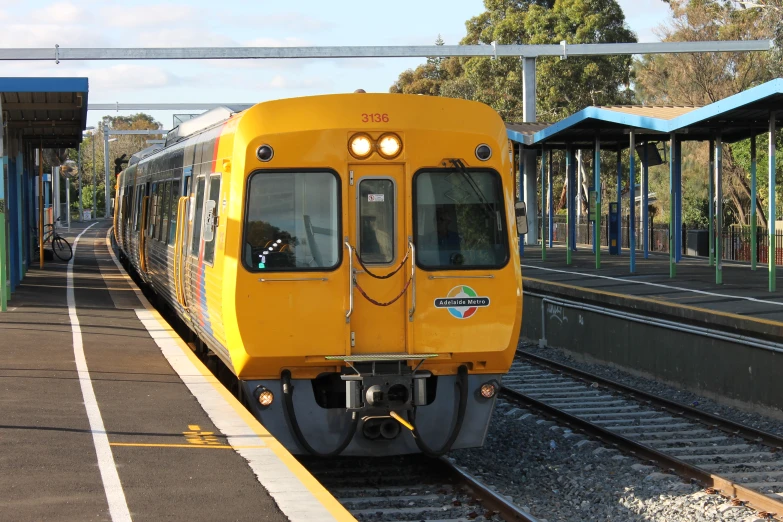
(462, 384)
(293, 424)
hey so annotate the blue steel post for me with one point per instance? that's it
(521, 189)
(753, 245)
(719, 210)
(678, 200)
(672, 225)
(632, 200)
(569, 203)
(619, 201)
(550, 212)
(772, 195)
(597, 185)
(712, 202)
(543, 204)
(645, 204)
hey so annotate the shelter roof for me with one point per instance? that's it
(49, 111)
(734, 118)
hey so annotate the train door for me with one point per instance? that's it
(376, 228)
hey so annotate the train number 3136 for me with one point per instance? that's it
(375, 118)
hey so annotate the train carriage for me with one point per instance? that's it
(352, 259)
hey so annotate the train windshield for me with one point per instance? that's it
(292, 221)
(459, 220)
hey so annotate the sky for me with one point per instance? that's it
(230, 23)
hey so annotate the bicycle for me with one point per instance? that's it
(59, 245)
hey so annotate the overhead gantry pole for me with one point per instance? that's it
(529, 115)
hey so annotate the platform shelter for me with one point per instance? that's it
(640, 128)
(36, 114)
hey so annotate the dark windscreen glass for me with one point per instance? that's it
(292, 222)
(459, 219)
(376, 221)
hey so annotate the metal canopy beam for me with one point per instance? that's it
(163, 106)
(58, 53)
(42, 106)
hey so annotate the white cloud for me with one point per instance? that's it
(285, 82)
(182, 37)
(49, 34)
(277, 42)
(59, 13)
(166, 14)
(127, 77)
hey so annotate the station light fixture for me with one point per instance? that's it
(483, 152)
(265, 153)
(389, 145)
(360, 145)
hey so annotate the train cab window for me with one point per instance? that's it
(173, 209)
(459, 220)
(292, 222)
(376, 221)
(211, 211)
(199, 209)
(163, 213)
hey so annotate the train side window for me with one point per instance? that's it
(199, 211)
(211, 211)
(163, 213)
(152, 211)
(139, 200)
(173, 208)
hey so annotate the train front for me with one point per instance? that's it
(379, 297)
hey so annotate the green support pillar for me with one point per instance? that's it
(672, 269)
(719, 210)
(543, 204)
(569, 206)
(597, 185)
(711, 201)
(753, 245)
(772, 196)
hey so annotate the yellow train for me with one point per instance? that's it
(353, 260)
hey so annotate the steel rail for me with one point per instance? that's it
(486, 496)
(754, 499)
(713, 421)
(58, 54)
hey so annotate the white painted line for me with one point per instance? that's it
(118, 506)
(658, 285)
(292, 496)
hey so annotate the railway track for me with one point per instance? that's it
(412, 487)
(737, 461)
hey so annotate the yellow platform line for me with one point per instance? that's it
(332, 505)
(196, 446)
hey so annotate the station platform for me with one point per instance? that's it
(108, 415)
(742, 303)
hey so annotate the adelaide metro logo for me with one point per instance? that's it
(462, 302)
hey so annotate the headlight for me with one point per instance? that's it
(483, 152)
(389, 146)
(488, 389)
(360, 146)
(264, 396)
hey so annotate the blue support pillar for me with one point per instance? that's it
(570, 236)
(521, 194)
(678, 200)
(13, 223)
(597, 185)
(543, 204)
(753, 245)
(551, 202)
(712, 202)
(719, 210)
(772, 202)
(672, 204)
(632, 200)
(619, 202)
(645, 204)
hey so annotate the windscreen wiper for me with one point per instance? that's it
(457, 163)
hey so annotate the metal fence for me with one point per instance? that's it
(736, 244)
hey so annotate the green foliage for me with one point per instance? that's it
(563, 86)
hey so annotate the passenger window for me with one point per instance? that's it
(173, 211)
(152, 210)
(376, 221)
(163, 213)
(212, 209)
(198, 208)
(139, 199)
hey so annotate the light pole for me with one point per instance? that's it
(81, 205)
